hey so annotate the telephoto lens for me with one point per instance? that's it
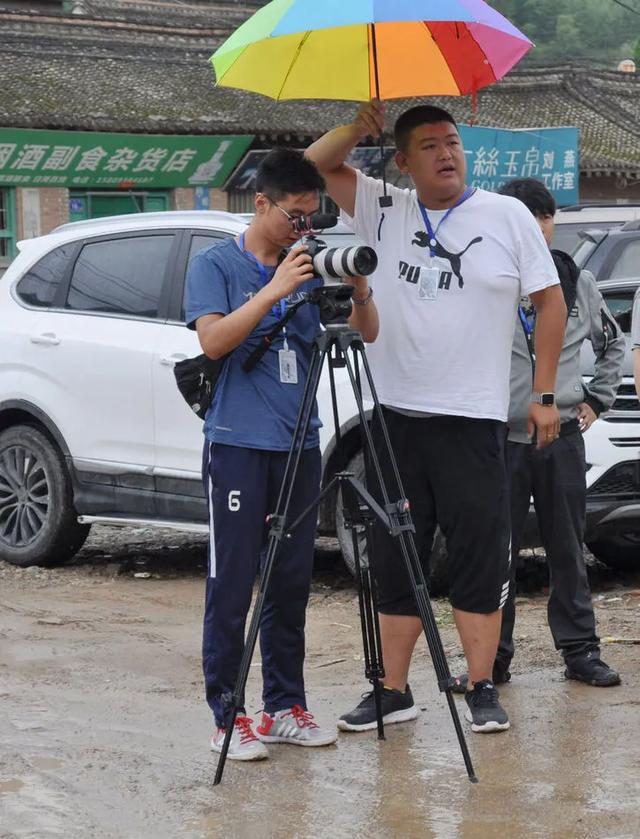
(336, 263)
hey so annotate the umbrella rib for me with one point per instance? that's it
(444, 57)
(293, 61)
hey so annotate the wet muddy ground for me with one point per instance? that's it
(104, 731)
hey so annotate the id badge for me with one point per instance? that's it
(288, 367)
(428, 284)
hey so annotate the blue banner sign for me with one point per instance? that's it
(496, 155)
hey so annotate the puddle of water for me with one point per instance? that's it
(10, 785)
(47, 762)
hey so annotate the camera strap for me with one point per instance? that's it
(268, 339)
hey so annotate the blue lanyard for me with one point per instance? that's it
(527, 325)
(427, 223)
(279, 309)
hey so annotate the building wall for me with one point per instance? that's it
(218, 199)
(184, 198)
(609, 188)
(54, 208)
(39, 210)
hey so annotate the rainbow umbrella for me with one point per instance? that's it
(358, 49)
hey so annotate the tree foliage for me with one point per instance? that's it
(600, 32)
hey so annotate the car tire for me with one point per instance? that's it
(437, 581)
(618, 557)
(38, 522)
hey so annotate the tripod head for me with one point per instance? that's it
(333, 301)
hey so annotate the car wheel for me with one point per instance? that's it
(620, 557)
(437, 582)
(38, 522)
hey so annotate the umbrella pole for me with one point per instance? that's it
(385, 200)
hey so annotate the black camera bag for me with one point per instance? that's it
(196, 379)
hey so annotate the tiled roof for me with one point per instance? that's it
(143, 67)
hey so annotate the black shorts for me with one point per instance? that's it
(453, 473)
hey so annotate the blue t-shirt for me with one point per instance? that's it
(252, 410)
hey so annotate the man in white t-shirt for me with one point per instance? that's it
(453, 264)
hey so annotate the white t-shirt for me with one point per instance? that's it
(452, 354)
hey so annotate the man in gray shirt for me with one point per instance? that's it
(555, 475)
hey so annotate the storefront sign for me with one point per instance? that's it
(495, 156)
(86, 159)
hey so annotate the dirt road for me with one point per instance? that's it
(104, 731)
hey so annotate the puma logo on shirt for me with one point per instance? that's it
(455, 259)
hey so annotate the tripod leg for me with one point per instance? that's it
(277, 533)
(373, 666)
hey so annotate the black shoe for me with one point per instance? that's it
(591, 670)
(484, 712)
(460, 684)
(501, 676)
(397, 706)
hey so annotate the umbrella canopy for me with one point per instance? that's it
(360, 49)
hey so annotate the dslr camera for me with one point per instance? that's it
(333, 265)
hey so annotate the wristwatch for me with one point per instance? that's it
(365, 300)
(543, 398)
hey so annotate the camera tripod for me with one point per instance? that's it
(360, 511)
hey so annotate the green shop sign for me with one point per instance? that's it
(84, 159)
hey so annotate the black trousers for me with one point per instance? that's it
(453, 472)
(555, 477)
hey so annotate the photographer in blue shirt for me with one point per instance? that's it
(236, 292)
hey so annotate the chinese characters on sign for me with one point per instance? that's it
(83, 159)
(495, 156)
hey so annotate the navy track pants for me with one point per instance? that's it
(241, 486)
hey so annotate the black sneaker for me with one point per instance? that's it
(397, 706)
(591, 670)
(500, 676)
(484, 712)
(460, 684)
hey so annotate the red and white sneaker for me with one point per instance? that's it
(295, 726)
(244, 744)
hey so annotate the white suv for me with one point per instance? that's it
(93, 429)
(92, 426)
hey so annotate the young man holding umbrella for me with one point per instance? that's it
(453, 264)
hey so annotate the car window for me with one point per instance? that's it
(39, 285)
(628, 262)
(566, 236)
(582, 252)
(203, 240)
(121, 276)
(620, 305)
(198, 242)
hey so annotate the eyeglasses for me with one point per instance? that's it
(293, 219)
